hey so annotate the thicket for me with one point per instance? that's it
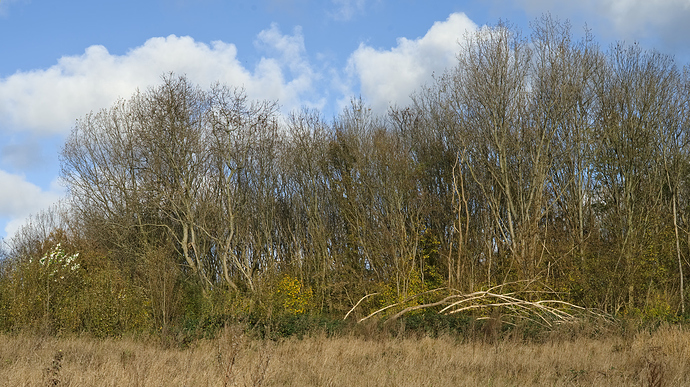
(542, 166)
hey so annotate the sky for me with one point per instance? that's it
(60, 60)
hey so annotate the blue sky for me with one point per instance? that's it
(60, 60)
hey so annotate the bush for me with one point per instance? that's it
(296, 325)
(64, 292)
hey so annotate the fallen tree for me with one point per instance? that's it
(515, 303)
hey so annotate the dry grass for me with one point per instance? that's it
(658, 359)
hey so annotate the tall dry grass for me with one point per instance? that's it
(661, 358)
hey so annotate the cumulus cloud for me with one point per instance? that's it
(388, 77)
(50, 100)
(46, 102)
(288, 55)
(20, 198)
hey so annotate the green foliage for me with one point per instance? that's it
(110, 306)
(205, 313)
(299, 326)
(5, 301)
(194, 302)
(43, 289)
(60, 292)
(433, 324)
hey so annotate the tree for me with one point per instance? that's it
(243, 152)
(636, 102)
(170, 168)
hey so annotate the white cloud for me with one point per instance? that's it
(389, 77)
(50, 100)
(46, 102)
(665, 22)
(290, 54)
(640, 17)
(20, 198)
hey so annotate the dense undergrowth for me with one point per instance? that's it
(65, 293)
(68, 294)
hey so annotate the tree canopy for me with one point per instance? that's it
(538, 161)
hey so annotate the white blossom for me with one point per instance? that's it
(57, 259)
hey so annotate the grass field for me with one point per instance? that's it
(661, 358)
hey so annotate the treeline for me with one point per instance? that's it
(538, 161)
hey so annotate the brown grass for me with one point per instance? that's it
(658, 359)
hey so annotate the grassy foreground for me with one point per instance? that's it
(661, 358)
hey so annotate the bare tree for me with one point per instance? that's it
(488, 94)
(636, 102)
(243, 151)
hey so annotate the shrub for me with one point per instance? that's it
(292, 297)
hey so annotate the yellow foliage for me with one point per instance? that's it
(293, 297)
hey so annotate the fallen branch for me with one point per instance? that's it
(357, 304)
(544, 312)
(397, 303)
